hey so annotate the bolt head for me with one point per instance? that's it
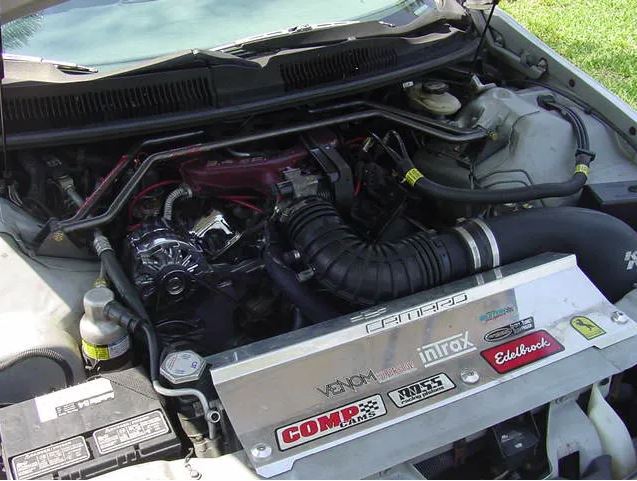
(469, 376)
(261, 451)
(619, 317)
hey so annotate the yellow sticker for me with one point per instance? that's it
(582, 169)
(412, 176)
(586, 327)
(99, 353)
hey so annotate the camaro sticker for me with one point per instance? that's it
(421, 390)
(515, 328)
(522, 351)
(586, 327)
(329, 422)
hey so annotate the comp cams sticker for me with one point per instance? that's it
(330, 422)
(421, 390)
(522, 351)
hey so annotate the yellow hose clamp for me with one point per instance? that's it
(412, 176)
(582, 169)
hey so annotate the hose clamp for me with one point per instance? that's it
(493, 243)
(472, 245)
(101, 244)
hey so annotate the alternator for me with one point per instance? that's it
(164, 264)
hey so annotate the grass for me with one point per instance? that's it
(599, 36)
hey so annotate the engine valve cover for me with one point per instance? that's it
(403, 375)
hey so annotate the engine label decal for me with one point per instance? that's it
(445, 349)
(416, 313)
(141, 428)
(347, 384)
(520, 352)
(329, 422)
(50, 458)
(106, 352)
(587, 327)
(496, 314)
(60, 403)
(421, 390)
(352, 383)
(393, 372)
(515, 328)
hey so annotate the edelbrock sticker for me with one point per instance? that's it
(330, 422)
(522, 351)
(421, 390)
(440, 351)
(515, 328)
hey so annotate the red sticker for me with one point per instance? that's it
(520, 352)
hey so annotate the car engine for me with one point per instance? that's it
(428, 266)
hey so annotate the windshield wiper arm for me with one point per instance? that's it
(67, 67)
(282, 33)
(341, 30)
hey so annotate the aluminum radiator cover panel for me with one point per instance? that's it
(309, 390)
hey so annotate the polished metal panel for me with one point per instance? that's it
(308, 391)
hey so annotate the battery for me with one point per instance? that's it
(86, 430)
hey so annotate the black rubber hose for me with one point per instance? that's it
(601, 243)
(363, 272)
(311, 306)
(120, 314)
(432, 189)
(45, 353)
(122, 283)
(429, 188)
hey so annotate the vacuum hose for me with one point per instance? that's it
(365, 273)
(428, 188)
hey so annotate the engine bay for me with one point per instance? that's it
(240, 244)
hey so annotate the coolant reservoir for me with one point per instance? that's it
(40, 307)
(434, 97)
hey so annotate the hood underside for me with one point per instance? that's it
(12, 9)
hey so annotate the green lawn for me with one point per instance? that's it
(599, 36)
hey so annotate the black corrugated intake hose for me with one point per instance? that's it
(43, 353)
(365, 273)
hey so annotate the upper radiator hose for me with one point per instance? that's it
(363, 272)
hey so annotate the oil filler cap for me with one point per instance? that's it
(182, 367)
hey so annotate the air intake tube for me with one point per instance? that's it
(366, 273)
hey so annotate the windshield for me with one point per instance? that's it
(109, 33)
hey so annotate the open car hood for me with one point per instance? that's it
(12, 9)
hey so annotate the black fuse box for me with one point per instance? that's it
(86, 430)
